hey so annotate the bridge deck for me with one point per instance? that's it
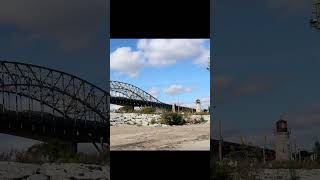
(123, 101)
(51, 127)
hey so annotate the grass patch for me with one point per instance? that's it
(55, 152)
(147, 110)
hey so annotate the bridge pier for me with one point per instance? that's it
(72, 146)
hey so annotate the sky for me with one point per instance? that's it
(70, 36)
(266, 60)
(172, 70)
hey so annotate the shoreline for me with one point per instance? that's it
(46, 171)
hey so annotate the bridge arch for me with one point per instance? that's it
(121, 89)
(72, 96)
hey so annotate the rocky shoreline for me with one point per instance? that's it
(303, 174)
(53, 171)
(150, 119)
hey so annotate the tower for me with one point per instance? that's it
(174, 107)
(198, 105)
(283, 150)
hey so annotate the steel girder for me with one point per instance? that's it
(121, 89)
(64, 93)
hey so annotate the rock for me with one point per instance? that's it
(13, 170)
(146, 119)
(62, 171)
(38, 177)
(76, 171)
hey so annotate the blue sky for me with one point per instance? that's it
(159, 68)
(267, 61)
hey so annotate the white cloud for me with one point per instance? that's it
(203, 58)
(154, 92)
(159, 52)
(126, 61)
(205, 101)
(162, 52)
(177, 89)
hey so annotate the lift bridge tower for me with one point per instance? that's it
(315, 19)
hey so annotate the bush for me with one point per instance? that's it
(202, 113)
(148, 110)
(126, 109)
(55, 151)
(221, 171)
(172, 118)
(153, 121)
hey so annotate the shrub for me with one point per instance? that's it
(172, 118)
(148, 110)
(45, 152)
(202, 113)
(126, 109)
(153, 121)
(221, 170)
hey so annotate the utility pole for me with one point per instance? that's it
(295, 148)
(178, 104)
(264, 151)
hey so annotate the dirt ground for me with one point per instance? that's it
(187, 137)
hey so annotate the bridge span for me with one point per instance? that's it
(43, 104)
(125, 94)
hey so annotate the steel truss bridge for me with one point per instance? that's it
(125, 94)
(45, 104)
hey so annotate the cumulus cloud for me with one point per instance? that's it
(162, 52)
(73, 24)
(176, 89)
(126, 61)
(154, 92)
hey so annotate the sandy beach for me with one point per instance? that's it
(186, 137)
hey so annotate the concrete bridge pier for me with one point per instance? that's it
(74, 147)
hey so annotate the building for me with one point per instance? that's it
(283, 149)
(173, 107)
(198, 105)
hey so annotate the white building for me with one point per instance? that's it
(283, 149)
(198, 105)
